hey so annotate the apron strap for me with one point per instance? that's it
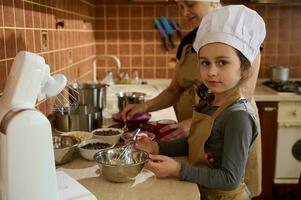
(233, 96)
(184, 51)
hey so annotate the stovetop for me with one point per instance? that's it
(288, 86)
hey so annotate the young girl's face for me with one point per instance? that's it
(194, 11)
(219, 67)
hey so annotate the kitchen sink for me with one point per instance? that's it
(152, 89)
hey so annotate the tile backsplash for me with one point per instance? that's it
(102, 27)
(127, 30)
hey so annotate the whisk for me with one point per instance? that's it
(66, 101)
(127, 149)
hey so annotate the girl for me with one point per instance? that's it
(222, 143)
(180, 93)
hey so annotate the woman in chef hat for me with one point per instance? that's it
(180, 93)
(222, 147)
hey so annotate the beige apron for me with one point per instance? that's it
(202, 123)
(187, 76)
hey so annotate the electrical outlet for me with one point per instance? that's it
(44, 40)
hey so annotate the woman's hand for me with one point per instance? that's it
(163, 166)
(133, 109)
(180, 130)
(146, 144)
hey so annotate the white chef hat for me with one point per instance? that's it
(235, 25)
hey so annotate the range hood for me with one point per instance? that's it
(277, 1)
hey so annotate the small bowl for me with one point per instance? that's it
(119, 171)
(79, 135)
(64, 147)
(89, 153)
(114, 139)
(128, 135)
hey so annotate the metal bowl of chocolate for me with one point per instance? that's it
(88, 148)
(108, 134)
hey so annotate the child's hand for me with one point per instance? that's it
(146, 144)
(163, 166)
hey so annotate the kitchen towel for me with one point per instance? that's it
(142, 176)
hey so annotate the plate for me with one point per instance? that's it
(141, 118)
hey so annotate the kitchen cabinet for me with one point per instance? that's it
(268, 122)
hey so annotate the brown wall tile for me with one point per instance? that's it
(28, 15)
(30, 40)
(111, 11)
(20, 36)
(2, 46)
(10, 38)
(136, 11)
(123, 11)
(160, 73)
(8, 13)
(148, 73)
(3, 75)
(19, 13)
(36, 16)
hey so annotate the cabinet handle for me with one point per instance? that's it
(295, 113)
(269, 109)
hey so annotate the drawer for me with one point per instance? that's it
(289, 112)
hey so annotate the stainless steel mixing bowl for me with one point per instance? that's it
(116, 170)
(64, 147)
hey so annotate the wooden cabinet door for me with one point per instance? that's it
(268, 123)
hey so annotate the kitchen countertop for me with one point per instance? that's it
(264, 93)
(87, 173)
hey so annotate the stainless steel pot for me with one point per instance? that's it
(90, 94)
(279, 73)
(84, 118)
(125, 98)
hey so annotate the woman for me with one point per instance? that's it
(180, 93)
(223, 140)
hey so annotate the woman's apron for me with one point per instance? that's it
(187, 76)
(199, 133)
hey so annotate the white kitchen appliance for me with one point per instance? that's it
(27, 166)
(288, 148)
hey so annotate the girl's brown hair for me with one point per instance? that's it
(245, 64)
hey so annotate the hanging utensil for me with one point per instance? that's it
(176, 27)
(162, 32)
(168, 29)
